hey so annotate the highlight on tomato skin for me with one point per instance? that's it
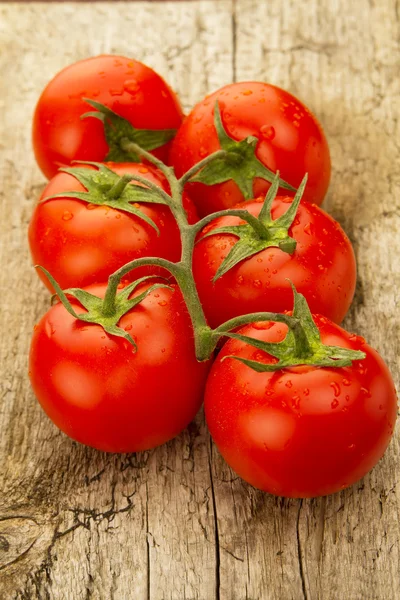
(128, 87)
(82, 244)
(302, 431)
(101, 392)
(291, 140)
(322, 267)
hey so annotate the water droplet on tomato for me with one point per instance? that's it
(335, 403)
(143, 170)
(267, 132)
(67, 215)
(263, 325)
(351, 446)
(307, 228)
(289, 384)
(162, 303)
(259, 260)
(131, 86)
(346, 382)
(247, 93)
(49, 328)
(296, 401)
(202, 152)
(90, 206)
(306, 391)
(257, 283)
(128, 327)
(116, 91)
(240, 279)
(274, 271)
(321, 267)
(366, 392)
(336, 388)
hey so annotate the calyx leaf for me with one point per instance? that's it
(301, 346)
(240, 164)
(119, 132)
(267, 233)
(106, 188)
(95, 306)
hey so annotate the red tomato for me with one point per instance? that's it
(291, 141)
(126, 86)
(322, 268)
(82, 243)
(302, 431)
(101, 392)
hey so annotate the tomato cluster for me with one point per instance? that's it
(208, 271)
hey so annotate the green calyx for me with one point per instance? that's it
(119, 132)
(106, 188)
(301, 346)
(239, 163)
(259, 232)
(99, 310)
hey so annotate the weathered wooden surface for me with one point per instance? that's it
(176, 523)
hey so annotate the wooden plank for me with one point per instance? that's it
(343, 61)
(84, 524)
(176, 523)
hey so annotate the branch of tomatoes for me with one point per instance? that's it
(302, 344)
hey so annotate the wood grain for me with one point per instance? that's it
(176, 523)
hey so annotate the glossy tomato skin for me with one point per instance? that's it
(303, 431)
(102, 393)
(322, 268)
(81, 244)
(126, 86)
(291, 140)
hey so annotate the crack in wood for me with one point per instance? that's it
(216, 532)
(299, 553)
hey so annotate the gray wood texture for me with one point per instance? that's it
(176, 523)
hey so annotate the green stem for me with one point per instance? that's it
(204, 337)
(182, 271)
(149, 184)
(198, 166)
(117, 189)
(115, 278)
(251, 318)
(129, 146)
(303, 348)
(260, 229)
